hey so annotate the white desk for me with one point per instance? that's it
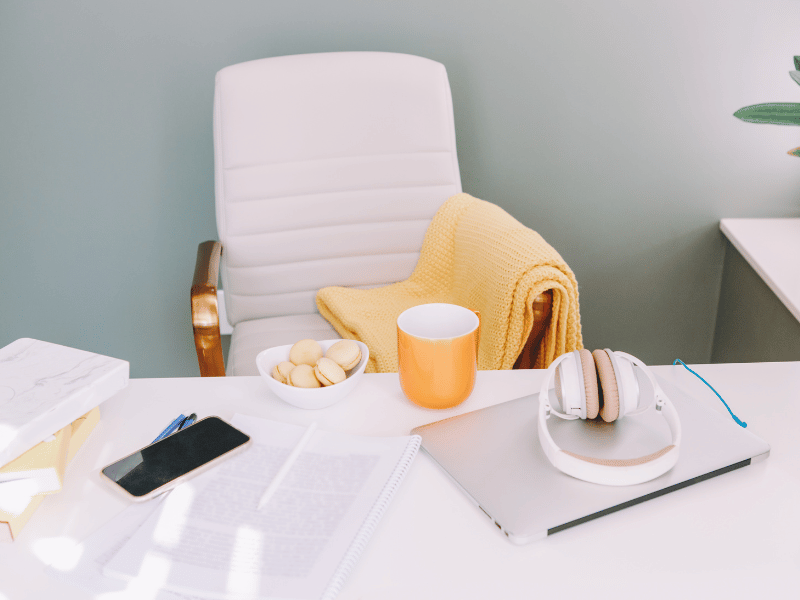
(734, 536)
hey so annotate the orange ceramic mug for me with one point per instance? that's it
(437, 347)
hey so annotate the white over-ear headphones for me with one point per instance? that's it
(588, 384)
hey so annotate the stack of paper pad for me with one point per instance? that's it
(25, 481)
(49, 396)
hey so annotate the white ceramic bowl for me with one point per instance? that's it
(311, 398)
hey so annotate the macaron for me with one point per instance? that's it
(302, 376)
(305, 352)
(281, 371)
(328, 372)
(346, 354)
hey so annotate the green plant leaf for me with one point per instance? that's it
(794, 151)
(795, 75)
(797, 62)
(776, 113)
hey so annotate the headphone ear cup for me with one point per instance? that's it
(608, 383)
(630, 395)
(590, 384)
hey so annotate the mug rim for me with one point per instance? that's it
(450, 307)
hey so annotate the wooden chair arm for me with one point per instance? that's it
(205, 315)
(542, 306)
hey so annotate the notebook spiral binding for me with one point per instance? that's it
(376, 512)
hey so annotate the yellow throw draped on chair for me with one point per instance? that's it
(478, 256)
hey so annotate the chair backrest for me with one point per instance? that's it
(328, 170)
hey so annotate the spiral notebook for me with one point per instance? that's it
(207, 538)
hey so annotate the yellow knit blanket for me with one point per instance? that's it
(478, 256)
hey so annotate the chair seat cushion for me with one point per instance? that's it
(251, 337)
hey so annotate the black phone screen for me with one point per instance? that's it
(175, 456)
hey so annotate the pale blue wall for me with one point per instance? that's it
(606, 126)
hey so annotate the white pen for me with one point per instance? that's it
(276, 481)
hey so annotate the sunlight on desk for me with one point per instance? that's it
(150, 578)
(61, 553)
(243, 574)
(17, 494)
(172, 520)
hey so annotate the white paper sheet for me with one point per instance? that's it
(208, 539)
(82, 565)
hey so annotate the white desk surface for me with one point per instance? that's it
(772, 248)
(733, 536)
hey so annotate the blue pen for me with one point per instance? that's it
(187, 421)
(171, 428)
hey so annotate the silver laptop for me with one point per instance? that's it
(494, 455)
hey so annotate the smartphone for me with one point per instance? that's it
(164, 464)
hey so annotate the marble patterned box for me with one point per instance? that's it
(45, 387)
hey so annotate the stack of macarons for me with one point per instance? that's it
(308, 368)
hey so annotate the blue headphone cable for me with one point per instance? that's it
(735, 418)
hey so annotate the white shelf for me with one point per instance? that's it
(772, 248)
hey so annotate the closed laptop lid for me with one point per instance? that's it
(494, 455)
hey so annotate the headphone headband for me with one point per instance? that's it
(611, 471)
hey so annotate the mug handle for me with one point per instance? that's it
(478, 336)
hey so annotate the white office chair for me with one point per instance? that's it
(328, 170)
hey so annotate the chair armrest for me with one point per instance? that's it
(205, 315)
(542, 309)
